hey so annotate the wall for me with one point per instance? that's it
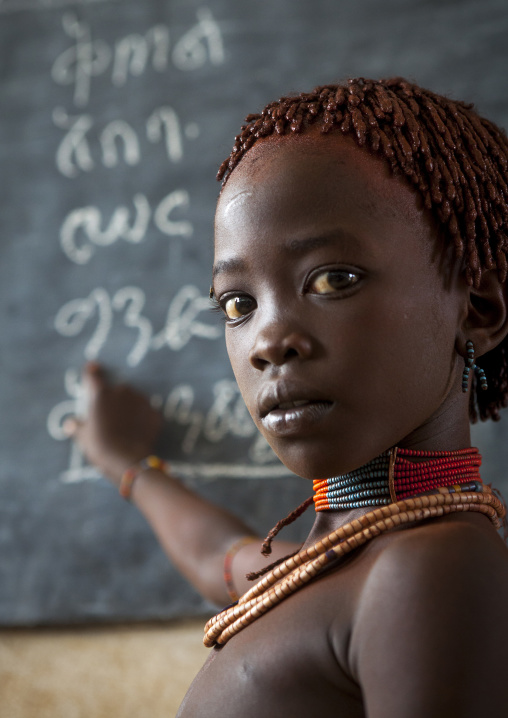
(116, 115)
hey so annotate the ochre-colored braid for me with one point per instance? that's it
(297, 571)
(266, 548)
(454, 158)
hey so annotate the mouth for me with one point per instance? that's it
(289, 415)
(291, 404)
(276, 401)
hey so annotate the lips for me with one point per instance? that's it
(286, 409)
(292, 404)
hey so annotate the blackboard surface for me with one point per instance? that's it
(115, 116)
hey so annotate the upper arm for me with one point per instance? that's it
(431, 629)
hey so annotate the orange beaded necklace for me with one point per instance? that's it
(296, 571)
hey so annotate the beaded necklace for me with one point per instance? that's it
(398, 474)
(296, 571)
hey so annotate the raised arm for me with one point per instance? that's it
(120, 430)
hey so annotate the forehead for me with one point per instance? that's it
(310, 181)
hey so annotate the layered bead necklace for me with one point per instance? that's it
(447, 481)
(398, 474)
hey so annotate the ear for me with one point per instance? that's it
(486, 318)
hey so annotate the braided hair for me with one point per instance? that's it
(454, 158)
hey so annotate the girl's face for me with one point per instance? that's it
(340, 325)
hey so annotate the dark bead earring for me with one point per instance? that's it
(481, 377)
(471, 365)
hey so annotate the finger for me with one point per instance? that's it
(71, 426)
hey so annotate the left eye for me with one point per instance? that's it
(332, 280)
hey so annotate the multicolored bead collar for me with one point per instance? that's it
(397, 474)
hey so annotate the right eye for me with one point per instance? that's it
(237, 306)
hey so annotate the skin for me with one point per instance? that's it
(337, 294)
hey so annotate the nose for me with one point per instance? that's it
(275, 345)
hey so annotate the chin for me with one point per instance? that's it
(312, 465)
(315, 461)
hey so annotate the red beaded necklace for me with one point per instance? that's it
(398, 474)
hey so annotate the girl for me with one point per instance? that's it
(360, 263)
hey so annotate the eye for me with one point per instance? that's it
(329, 281)
(237, 306)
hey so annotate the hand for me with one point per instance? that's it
(121, 427)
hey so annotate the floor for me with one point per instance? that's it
(120, 672)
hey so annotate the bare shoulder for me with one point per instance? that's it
(433, 615)
(444, 571)
(456, 552)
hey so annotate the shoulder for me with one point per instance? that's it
(452, 553)
(433, 612)
(460, 562)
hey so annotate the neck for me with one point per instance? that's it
(446, 429)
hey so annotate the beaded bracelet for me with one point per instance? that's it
(129, 476)
(228, 561)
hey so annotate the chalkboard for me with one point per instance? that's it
(115, 117)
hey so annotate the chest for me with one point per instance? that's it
(285, 663)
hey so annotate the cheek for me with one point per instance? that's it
(414, 356)
(238, 352)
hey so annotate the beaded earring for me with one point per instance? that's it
(481, 377)
(471, 365)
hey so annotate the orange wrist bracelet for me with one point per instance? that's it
(228, 560)
(129, 476)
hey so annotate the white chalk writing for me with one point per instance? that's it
(164, 122)
(88, 57)
(119, 129)
(73, 316)
(87, 223)
(181, 323)
(73, 152)
(91, 142)
(226, 417)
(162, 215)
(132, 53)
(228, 414)
(78, 150)
(75, 406)
(201, 43)
(80, 63)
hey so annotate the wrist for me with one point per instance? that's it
(114, 466)
(135, 471)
